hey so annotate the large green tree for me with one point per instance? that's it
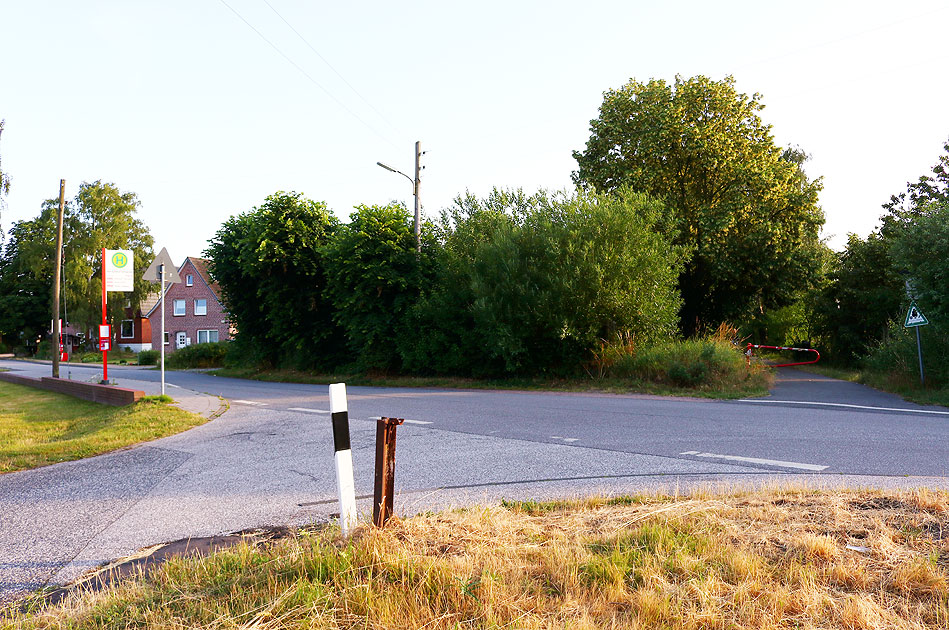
(270, 267)
(374, 275)
(742, 204)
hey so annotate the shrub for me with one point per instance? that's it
(896, 357)
(715, 362)
(91, 357)
(200, 355)
(148, 357)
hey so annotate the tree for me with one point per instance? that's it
(920, 197)
(741, 204)
(863, 295)
(373, 276)
(269, 264)
(99, 216)
(921, 251)
(24, 288)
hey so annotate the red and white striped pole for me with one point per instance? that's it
(345, 483)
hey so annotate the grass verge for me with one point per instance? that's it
(755, 386)
(781, 559)
(39, 428)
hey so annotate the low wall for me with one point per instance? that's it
(105, 394)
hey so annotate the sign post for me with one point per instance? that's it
(162, 270)
(915, 319)
(118, 274)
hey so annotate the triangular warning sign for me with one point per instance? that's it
(914, 317)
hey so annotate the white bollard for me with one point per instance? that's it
(345, 484)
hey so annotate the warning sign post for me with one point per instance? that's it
(915, 319)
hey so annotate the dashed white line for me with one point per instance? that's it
(250, 402)
(827, 404)
(306, 410)
(757, 460)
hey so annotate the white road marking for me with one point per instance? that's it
(756, 460)
(565, 439)
(570, 439)
(249, 402)
(304, 409)
(827, 404)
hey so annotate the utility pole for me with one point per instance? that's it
(418, 213)
(57, 327)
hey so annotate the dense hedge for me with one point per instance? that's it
(508, 284)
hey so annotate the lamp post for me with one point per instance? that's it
(415, 186)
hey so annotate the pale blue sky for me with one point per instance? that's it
(183, 103)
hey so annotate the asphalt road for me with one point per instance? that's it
(269, 459)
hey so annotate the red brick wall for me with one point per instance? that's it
(190, 323)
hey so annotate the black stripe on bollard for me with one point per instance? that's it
(341, 431)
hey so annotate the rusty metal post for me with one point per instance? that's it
(382, 507)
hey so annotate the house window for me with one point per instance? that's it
(128, 329)
(179, 308)
(167, 336)
(189, 280)
(207, 336)
(200, 307)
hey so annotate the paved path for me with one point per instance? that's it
(268, 460)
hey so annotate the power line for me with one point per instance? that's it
(307, 75)
(330, 66)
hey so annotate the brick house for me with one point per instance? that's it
(193, 310)
(134, 333)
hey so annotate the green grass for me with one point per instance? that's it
(38, 428)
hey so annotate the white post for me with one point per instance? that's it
(161, 339)
(345, 483)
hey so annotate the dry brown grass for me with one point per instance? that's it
(757, 560)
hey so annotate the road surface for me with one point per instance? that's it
(269, 459)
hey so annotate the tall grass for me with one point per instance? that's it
(712, 363)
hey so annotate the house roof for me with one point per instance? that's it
(201, 266)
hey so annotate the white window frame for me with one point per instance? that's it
(167, 338)
(174, 308)
(189, 280)
(122, 334)
(207, 335)
(205, 306)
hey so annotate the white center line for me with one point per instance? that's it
(827, 404)
(304, 409)
(249, 402)
(757, 460)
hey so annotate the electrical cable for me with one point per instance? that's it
(330, 66)
(307, 75)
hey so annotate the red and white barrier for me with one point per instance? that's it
(749, 354)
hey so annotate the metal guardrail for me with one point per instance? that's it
(749, 354)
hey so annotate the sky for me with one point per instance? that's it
(203, 108)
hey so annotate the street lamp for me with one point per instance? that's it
(415, 185)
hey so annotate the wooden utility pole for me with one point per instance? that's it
(418, 213)
(57, 274)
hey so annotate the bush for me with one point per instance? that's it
(712, 363)
(91, 357)
(896, 359)
(148, 357)
(532, 285)
(200, 355)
